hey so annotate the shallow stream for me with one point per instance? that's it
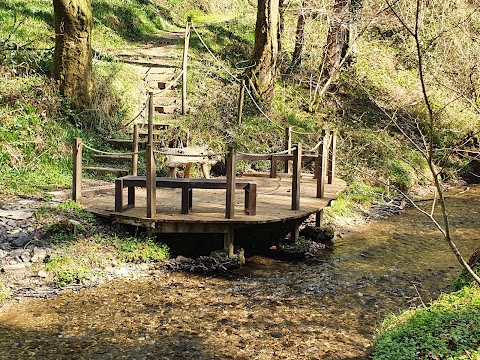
(272, 310)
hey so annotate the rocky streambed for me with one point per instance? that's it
(20, 243)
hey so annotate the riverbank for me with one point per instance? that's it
(41, 239)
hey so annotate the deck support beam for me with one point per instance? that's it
(319, 218)
(229, 241)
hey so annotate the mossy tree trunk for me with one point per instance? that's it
(263, 73)
(72, 62)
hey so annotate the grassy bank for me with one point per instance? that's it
(449, 328)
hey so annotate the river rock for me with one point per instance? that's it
(16, 214)
(39, 254)
(14, 267)
(20, 239)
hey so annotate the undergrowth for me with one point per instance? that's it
(449, 328)
(85, 248)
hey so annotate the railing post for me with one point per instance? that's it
(184, 66)
(135, 151)
(150, 118)
(151, 183)
(273, 167)
(331, 156)
(77, 170)
(288, 146)
(241, 99)
(321, 165)
(297, 170)
(231, 172)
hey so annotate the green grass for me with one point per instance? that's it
(84, 246)
(449, 328)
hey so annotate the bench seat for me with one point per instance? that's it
(187, 185)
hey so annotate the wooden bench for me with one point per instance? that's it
(187, 185)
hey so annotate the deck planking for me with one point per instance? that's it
(208, 211)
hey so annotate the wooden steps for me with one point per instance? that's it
(166, 109)
(113, 158)
(126, 144)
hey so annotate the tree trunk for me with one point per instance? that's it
(338, 37)
(299, 35)
(72, 62)
(266, 49)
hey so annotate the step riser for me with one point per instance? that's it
(113, 159)
(165, 109)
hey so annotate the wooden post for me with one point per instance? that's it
(319, 218)
(229, 241)
(241, 99)
(273, 167)
(231, 172)
(184, 67)
(295, 232)
(297, 170)
(151, 183)
(288, 146)
(150, 118)
(135, 151)
(331, 156)
(321, 165)
(77, 170)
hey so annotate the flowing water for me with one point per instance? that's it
(272, 310)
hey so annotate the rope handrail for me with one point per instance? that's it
(111, 153)
(316, 146)
(213, 55)
(139, 113)
(170, 85)
(245, 86)
(267, 154)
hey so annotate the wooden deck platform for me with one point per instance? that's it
(208, 211)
